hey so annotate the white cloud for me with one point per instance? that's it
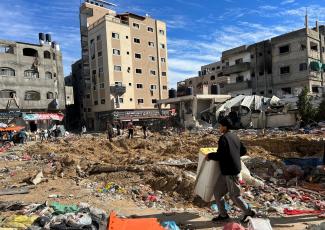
(287, 2)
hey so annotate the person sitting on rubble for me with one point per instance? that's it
(230, 149)
(130, 129)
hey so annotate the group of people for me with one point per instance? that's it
(130, 127)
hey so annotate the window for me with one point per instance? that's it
(150, 29)
(136, 40)
(302, 47)
(5, 49)
(136, 25)
(164, 87)
(139, 86)
(154, 101)
(151, 44)
(32, 96)
(137, 56)
(49, 95)
(286, 90)
(54, 56)
(285, 70)
(261, 73)
(30, 52)
(100, 54)
(238, 61)
(120, 100)
(213, 78)
(47, 55)
(239, 79)
(314, 89)
(313, 46)
(99, 37)
(303, 66)
(262, 93)
(7, 94)
(152, 72)
(162, 46)
(138, 71)
(115, 36)
(270, 91)
(116, 52)
(252, 56)
(102, 101)
(153, 87)
(284, 49)
(102, 85)
(140, 101)
(48, 75)
(96, 102)
(118, 83)
(4, 71)
(164, 74)
(131, 99)
(89, 110)
(31, 74)
(117, 68)
(162, 32)
(163, 59)
(88, 96)
(152, 58)
(130, 84)
(126, 37)
(128, 53)
(94, 87)
(260, 54)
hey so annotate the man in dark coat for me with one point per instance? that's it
(230, 149)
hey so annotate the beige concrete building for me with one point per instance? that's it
(127, 61)
(280, 66)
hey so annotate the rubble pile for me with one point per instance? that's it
(158, 172)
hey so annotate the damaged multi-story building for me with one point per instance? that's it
(278, 66)
(123, 70)
(31, 82)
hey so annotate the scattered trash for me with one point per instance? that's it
(259, 224)
(170, 225)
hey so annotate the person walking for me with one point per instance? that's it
(230, 149)
(110, 131)
(144, 129)
(130, 129)
(22, 136)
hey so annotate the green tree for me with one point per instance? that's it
(305, 107)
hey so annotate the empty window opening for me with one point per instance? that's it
(50, 95)
(238, 61)
(48, 75)
(286, 90)
(239, 79)
(285, 70)
(47, 54)
(213, 78)
(313, 46)
(6, 49)
(303, 66)
(30, 52)
(284, 49)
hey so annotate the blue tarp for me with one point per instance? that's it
(304, 162)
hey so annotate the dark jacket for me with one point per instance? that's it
(230, 149)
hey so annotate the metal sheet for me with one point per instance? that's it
(248, 101)
(258, 102)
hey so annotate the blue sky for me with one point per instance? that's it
(198, 30)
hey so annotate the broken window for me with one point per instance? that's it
(253, 74)
(4, 71)
(286, 90)
(303, 66)
(7, 94)
(32, 96)
(285, 70)
(31, 74)
(6, 49)
(315, 88)
(262, 93)
(138, 56)
(213, 78)
(239, 79)
(313, 46)
(238, 61)
(47, 54)
(302, 47)
(284, 49)
(30, 52)
(50, 95)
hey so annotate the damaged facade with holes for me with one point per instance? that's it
(280, 66)
(31, 82)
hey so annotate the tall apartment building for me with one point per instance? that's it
(31, 81)
(279, 66)
(124, 64)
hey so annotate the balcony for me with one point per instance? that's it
(241, 67)
(117, 90)
(237, 86)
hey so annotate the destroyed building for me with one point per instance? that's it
(280, 66)
(123, 70)
(31, 81)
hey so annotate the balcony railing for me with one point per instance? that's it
(237, 68)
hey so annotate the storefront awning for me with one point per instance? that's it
(43, 116)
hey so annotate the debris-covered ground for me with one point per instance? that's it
(157, 175)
